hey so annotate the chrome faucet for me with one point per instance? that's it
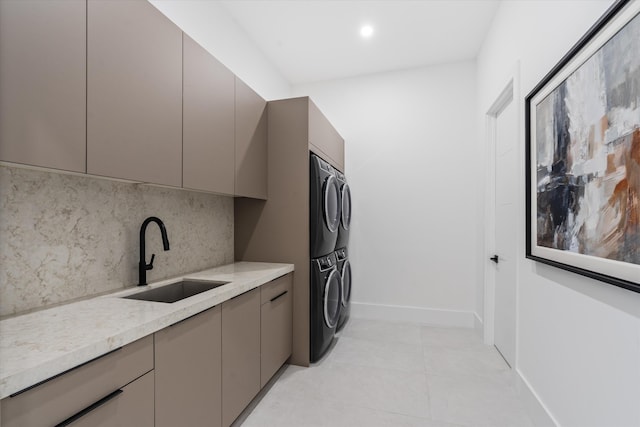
(142, 265)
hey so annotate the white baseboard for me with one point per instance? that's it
(478, 325)
(399, 313)
(536, 410)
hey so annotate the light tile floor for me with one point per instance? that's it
(396, 374)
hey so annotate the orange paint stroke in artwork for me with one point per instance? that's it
(627, 192)
(611, 163)
(604, 125)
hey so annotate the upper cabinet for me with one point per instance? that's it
(208, 121)
(43, 83)
(251, 143)
(134, 98)
(114, 88)
(324, 140)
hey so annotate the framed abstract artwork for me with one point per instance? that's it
(583, 155)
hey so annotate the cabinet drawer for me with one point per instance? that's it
(276, 287)
(65, 395)
(132, 407)
(275, 335)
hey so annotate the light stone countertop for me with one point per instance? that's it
(40, 345)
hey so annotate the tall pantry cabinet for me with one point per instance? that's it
(277, 230)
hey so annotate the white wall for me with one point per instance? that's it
(410, 161)
(578, 339)
(212, 26)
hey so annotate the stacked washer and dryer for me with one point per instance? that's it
(342, 255)
(330, 217)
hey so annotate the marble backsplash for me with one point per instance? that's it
(64, 237)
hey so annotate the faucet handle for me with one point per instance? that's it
(150, 265)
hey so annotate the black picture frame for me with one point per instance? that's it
(560, 202)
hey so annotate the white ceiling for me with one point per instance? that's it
(314, 40)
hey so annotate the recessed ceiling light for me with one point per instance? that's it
(366, 31)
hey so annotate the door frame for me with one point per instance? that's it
(510, 93)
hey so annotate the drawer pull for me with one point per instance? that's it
(278, 296)
(90, 408)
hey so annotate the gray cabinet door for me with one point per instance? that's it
(188, 370)
(208, 121)
(240, 353)
(43, 83)
(251, 143)
(324, 139)
(276, 326)
(134, 93)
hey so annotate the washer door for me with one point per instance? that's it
(331, 203)
(346, 283)
(346, 206)
(331, 300)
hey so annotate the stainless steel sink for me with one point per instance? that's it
(176, 291)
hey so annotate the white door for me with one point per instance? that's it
(506, 230)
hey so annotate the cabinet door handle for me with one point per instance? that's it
(90, 408)
(278, 296)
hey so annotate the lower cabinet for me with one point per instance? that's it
(240, 353)
(188, 372)
(276, 332)
(202, 371)
(115, 387)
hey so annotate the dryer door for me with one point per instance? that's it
(346, 282)
(331, 300)
(331, 203)
(345, 191)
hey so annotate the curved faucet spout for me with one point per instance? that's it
(142, 265)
